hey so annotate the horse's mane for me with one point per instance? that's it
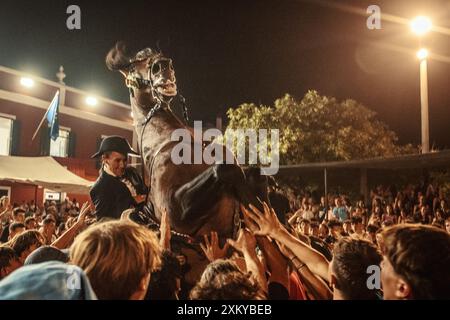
(118, 58)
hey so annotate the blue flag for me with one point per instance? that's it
(52, 117)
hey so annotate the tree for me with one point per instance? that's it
(319, 128)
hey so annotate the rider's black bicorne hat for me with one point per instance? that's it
(114, 143)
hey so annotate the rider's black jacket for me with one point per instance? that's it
(111, 196)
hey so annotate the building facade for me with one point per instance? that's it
(83, 122)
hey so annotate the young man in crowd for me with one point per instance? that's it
(303, 230)
(358, 229)
(340, 212)
(416, 263)
(323, 231)
(347, 228)
(320, 245)
(118, 257)
(18, 215)
(5, 211)
(48, 230)
(24, 244)
(335, 232)
(304, 227)
(15, 228)
(9, 261)
(348, 269)
(30, 223)
(223, 280)
(371, 234)
(314, 228)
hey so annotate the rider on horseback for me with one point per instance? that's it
(118, 187)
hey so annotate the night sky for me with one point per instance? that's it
(230, 52)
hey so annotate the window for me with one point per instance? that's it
(60, 146)
(5, 136)
(5, 191)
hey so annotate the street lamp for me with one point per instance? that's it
(420, 26)
(92, 101)
(27, 82)
(422, 54)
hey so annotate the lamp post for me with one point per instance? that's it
(422, 55)
(420, 26)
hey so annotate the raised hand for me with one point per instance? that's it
(5, 206)
(249, 223)
(212, 249)
(267, 222)
(85, 209)
(245, 243)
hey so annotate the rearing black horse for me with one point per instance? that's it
(199, 198)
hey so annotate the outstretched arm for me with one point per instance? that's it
(269, 225)
(67, 237)
(276, 262)
(246, 243)
(314, 284)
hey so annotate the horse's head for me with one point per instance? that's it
(148, 74)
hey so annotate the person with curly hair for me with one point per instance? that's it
(223, 280)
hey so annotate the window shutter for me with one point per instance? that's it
(72, 139)
(15, 138)
(45, 141)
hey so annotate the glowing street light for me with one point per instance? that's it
(27, 82)
(91, 101)
(421, 25)
(422, 54)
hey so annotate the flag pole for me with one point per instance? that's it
(40, 124)
(43, 118)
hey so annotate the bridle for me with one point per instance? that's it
(133, 82)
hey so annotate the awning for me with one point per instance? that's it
(42, 171)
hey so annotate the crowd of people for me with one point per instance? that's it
(387, 206)
(312, 250)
